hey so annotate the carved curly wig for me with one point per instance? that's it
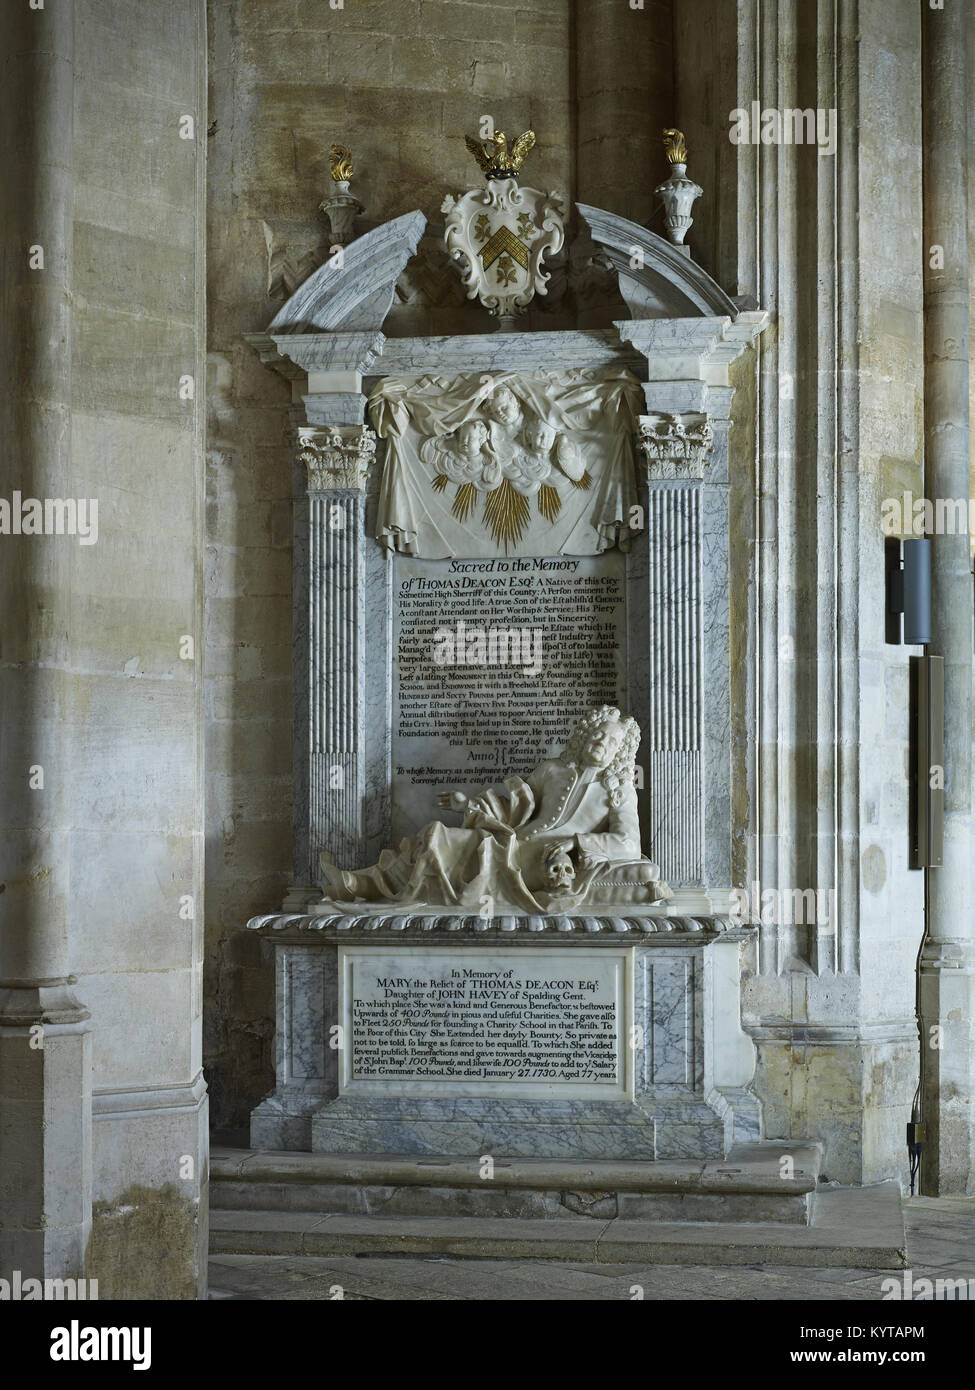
(621, 772)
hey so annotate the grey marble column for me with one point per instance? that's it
(683, 440)
(676, 790)
(330, 646)
(688, 707)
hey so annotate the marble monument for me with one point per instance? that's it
(529, 536)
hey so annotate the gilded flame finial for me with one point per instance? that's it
(678, 192)
(674, 147)
(341, 208)
(495, 159)
(340, 159)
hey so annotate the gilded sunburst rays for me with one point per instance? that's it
(465, 499)
(506, 511)
(507, 514)
(509, 457)
(549, 502)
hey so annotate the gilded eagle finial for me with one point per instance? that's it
(340, 159)
(674, 147)
(496, 160)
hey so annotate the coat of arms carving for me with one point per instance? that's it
(502, 232)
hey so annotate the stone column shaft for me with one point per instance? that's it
(337, 623)
(947, 991)
(35, 455)
(687, 570)
(674, 736)
(330, 650)
(45, 1057)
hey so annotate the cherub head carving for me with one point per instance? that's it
(471, 437)
(503, 407)
(539, 436)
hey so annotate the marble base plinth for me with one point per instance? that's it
(565, 1037)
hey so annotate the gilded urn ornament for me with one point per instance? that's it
(678, 193)
(501, 233)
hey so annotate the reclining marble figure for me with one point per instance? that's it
(564, 838)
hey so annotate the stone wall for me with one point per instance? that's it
(136, 839)
(103, 875)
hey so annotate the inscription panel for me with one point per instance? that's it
(494, 662)
(504, 1022)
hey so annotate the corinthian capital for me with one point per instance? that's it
(337, 456)
(675, 446)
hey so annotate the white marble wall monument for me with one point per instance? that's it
(580, 479)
